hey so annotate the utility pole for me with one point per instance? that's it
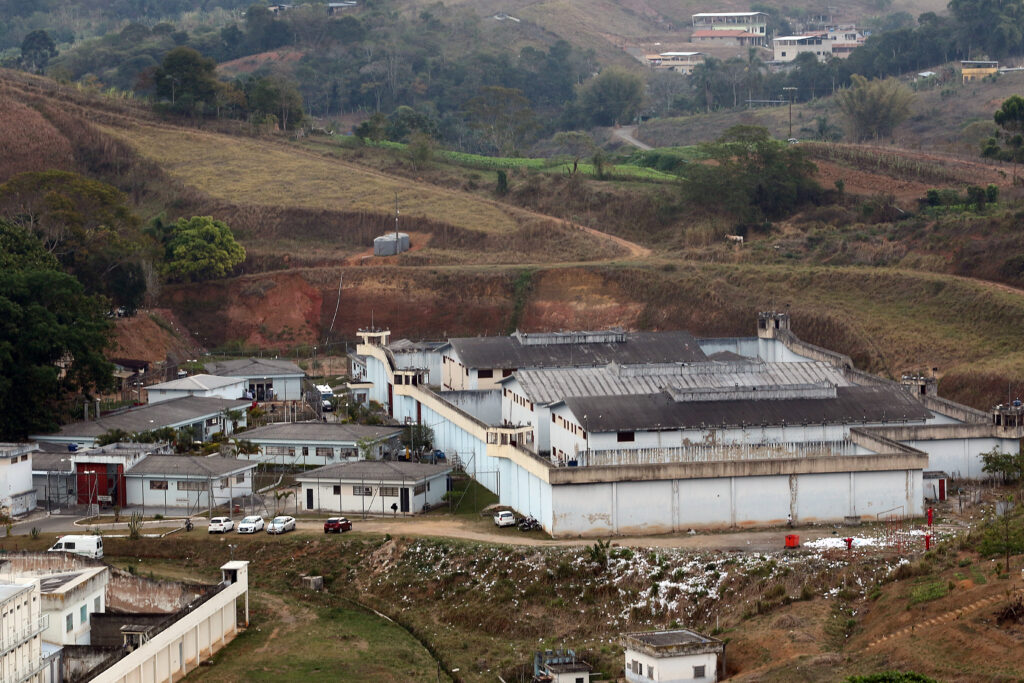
(790, 90)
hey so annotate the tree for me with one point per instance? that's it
(37, 49)
(417, 437)
(1003, 534)
(87, 225)
(614, 96)
(278, 97)
(52, 337)
(874, 108)
(576, 145)
(187, 79)
(1009, 117)
(753, 177)
(201, 248)
(1009, 466)
(502, 117)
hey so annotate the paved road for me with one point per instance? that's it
(451, 527)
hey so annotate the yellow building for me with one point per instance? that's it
(976, 70)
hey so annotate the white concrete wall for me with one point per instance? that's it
(415, 360)
(635, 507)
(326, 500)
(961, 458)
(483, 405)
(182, 646)
(671, 669)
(15, 480)
(60, 611)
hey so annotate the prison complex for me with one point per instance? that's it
(614, 432)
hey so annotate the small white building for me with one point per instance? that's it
(209, 386)
(374, 487)
(190, 482)
(21, 627)
(17, 495)
(319, 443)
(680, 62)
(674, 656)
(267, 379)
(68, 598)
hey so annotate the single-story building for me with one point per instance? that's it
(319, 443)
(17, 497)
(209, 386)
(63, 477)
(676, 655)
(190, 482)
(376, 487)
(206, 415)
(268, 379)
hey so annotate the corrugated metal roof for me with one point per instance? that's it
(637, 347)
(375, 470)
(554, 384)
(853, 404)
(327, 432)
(153, 416)
(254, 367)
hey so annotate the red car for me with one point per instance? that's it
(337, 525)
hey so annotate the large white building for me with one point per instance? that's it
(824, 45)
(17, 494)
(21, 628)
(613, 432)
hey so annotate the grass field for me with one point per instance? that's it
(264, 172)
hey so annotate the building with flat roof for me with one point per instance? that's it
(824, 45)
(671, 656)
(747, 28)
(613, 433)
(21, 626)
(680, 62)
(17, 495)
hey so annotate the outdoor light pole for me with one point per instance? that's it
(790, 90)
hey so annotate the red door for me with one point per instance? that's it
(942, 489)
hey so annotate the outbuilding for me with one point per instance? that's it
(320, 443)
(210, 386)
(188, 482)
(675, 655)
(267, 379)
(17, 496)
(374, 487)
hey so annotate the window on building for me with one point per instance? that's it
(485, 374)
(362, 491)
(623, 437)
(389, 491)
(325, 452)
(24, 458)
(337, 490)
(783, 54)
(14, 460)
(157, 484)
(240, 479)
(419, 489)
(698, 671)
(650, 671)
(83, 613)
(69, 623)
(305, 450)
(191, 485)
(96, 604)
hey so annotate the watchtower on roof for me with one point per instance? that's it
(770, 323)
(374, 336)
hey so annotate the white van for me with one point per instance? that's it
(87, 546)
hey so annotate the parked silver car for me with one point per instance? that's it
(279, 525)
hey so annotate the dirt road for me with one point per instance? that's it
(626, 134)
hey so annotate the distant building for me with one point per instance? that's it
(824, 45)
(560, 666)
(680, 62)
(17, 495)
(375, 487)
(21, 651)
(269, 379)
(334, 8)
(319, 443)
(672, 656)
(731, 28)
(188, 482)
(973, 70)
(208, 386)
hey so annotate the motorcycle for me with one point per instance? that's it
(188, 525)
(529, 524)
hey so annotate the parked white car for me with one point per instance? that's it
(505, 518)
(250, 525)
(221, 525)
(279, 525)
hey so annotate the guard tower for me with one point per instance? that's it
(374, 336)
(771, 323)
(1009, 415)
(920, 385)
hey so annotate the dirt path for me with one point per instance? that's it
(753, 541)
(626, 134)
